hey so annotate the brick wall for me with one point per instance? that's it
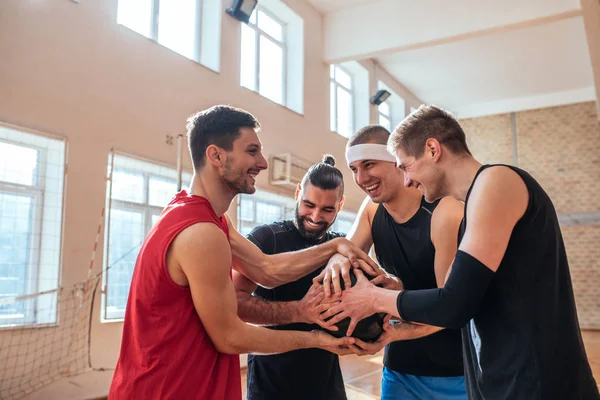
(560, 147)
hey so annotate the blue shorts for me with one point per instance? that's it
(397, 386)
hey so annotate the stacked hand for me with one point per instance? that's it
(313, 304)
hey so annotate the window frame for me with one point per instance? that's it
(388, 116)
(282, 44)
(37, 219)
(333, 82)
(146, 209)
(155, 28)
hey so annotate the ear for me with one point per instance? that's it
(298, 189)
(433, 149)
(215, 155)
(342, 203)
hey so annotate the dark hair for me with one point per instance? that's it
(428, 122)
(325, 175)
(219, 125)
(375, 134)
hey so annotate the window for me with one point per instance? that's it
(184, 26)
(343, 222)
(341, 101)
(385, 115)
(263, 208)
(263, 55)
(137, 192)
(32, 169)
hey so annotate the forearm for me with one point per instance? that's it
(257, 311)
(288, 267)
(453, 305)
(252, 339)
(408, 331)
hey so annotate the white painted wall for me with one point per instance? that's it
(68, 69)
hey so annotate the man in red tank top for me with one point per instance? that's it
(182, 334)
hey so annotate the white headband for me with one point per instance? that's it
(369, 151)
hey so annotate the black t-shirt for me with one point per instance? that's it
(406, 251)
(299, 374)
(524, 342)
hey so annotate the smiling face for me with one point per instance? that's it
(243, 163)
(316, 210)
(422, 173)
(380, 180)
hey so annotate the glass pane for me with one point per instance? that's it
(136, 15)
(332, 107)
(16, 230)
(161, 191)
(253, 15)
(384, 108)
(344, 110)
(246, 227)
(267, 213)
(343, 78)
(343, 225)
(177, 26)
(128, 186)
(246, 209)
(155, 218)
(125, 239)
(385, 122)
(248, 58)
(18, 164)
(270, 26)
(271, 70)
(332, 71)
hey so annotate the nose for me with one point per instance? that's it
(361, 177)
(315, 216)
(262, 162)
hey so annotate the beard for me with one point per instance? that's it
(236, 179)
(311, 234)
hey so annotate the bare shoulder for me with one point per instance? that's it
(499, 186)
(368, 209)
(200, 235)
(200, 244)
(448, 206)
(446, 219)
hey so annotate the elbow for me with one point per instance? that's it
(268, 278)
(230, 343)
(457, 316)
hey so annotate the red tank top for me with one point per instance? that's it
(165, 352)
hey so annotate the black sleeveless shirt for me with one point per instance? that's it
(524, 342)
(298, 374)
(406, 251)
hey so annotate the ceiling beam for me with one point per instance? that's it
(390, 26)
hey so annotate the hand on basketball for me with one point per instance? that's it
(388, 281)
(361, 348)
(338, 268)
(313, 304)
(340, 346)
(355, 254)
(357, 303)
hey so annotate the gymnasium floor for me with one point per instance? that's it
(363, 374)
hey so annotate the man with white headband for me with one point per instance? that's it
(416, 242)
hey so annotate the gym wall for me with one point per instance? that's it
(560, 147)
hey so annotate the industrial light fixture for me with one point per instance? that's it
(242, 9)
(379, 97)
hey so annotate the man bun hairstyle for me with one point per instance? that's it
(325, 175)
